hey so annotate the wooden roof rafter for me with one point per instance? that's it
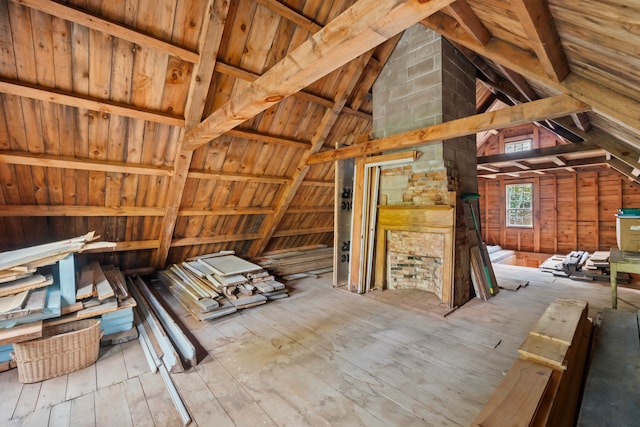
(72, 99)
(360, 28)
(87, 19)
(609, 103)
(303, 95)
(467, 18)
(62, 162)
(537, 21)
(208, 45)
(596, 160)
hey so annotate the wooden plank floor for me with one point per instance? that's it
(323, 357)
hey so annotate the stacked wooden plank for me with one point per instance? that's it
(543, 386)
(298, 264)
(38, 287)
(214, 285)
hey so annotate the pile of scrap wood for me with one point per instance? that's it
(213, 285)
(297, 264)
(39, 286)
(483, 277)
(543, 386)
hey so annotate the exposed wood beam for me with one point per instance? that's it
(93, 21)
(582, 121)
(537, 153)
(624, 169)
(558, 160)
(291, 15)
(303, 95)
(193, 241)
(225, 211)
(310, 209)
(467, 18)
(239, 177)
(374, 67)
(548, 166)
(613, 105)
(521, 165)
(556, 106)
(45, 160)
(621, 150)
(351, 74)
(69, 210)
(537, 21)
(360, 28)
(208, 45)
(303, 231)
(57, 96)
(249, 134)
(520, 83)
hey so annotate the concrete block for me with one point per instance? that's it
(421, 68)
(400, 91)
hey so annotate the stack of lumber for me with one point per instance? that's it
(598, 260)
(214, 285)
(298, 264)
(543, 386)
(164, 343)
(612, 389)
(40, 287)
(483, 277)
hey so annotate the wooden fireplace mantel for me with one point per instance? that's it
(421, 219)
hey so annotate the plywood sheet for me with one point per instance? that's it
(230, 265)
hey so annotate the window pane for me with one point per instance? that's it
(519, 205)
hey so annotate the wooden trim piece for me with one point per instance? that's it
(249, 134)
(68, 210)
(129, 246)
(556, 106)
(603, 100)
(57, 96)
(537, 21)
(193, 241)
(240, 177)
(310, 209)
(360, 28)
(303, 231)
(208, 45)
(96, 22)
(291, 15)
(624, 169)
(467, 18)
(226, 211)
(45, 160)
(318, 183)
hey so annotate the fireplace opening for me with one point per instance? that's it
(415, 261)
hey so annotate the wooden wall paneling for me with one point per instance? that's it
(610, 199)
(536, 214)
(574, 206)
(503, 215)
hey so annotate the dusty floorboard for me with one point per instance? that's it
(323, 357)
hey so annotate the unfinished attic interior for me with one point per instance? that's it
(308, 212)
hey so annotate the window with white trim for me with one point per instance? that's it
(517, 146)
(519, 205)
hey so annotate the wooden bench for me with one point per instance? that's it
(612, 391)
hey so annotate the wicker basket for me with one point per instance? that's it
(62, 349)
